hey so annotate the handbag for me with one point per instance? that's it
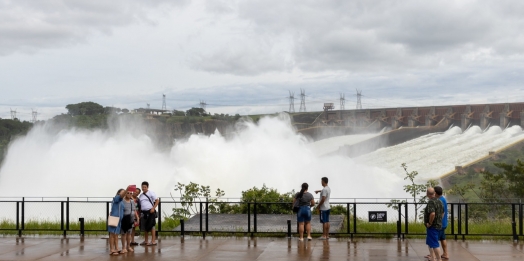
(113, 221)
(296, 205)
(154, 213)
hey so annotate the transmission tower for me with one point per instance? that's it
(13, 114)
(203, 105)
(291, 102)
(34, 115)
(302, 100)
(148, 105)
(359, 99)
(342, 101)
(164, 107)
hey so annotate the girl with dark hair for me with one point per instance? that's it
(117, 210)
(305, 202)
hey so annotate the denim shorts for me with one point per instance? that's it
(304, 214)
(324, 216)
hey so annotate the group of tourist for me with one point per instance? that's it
(302, 203)
(436, 222)
(132, 208)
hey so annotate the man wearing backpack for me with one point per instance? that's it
(148, 203)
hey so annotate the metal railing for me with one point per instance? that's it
(252, 218)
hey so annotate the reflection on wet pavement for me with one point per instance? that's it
(274, 249)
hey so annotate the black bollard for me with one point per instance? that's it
(399, 229)
(514, 228)
(289, 228)
(81, 220)
(182, 227)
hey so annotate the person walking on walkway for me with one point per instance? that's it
(433, 222)
(324, 207)
(148, 203)
(117, 210)
(442, 232)
(305, 202)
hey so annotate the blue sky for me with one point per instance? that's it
(244, 56)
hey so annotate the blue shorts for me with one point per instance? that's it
(432, 237)
(304, 214)
(324, 216)
(442, 234)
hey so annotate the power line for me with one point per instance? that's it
(359, 99)
(291, 102)
(34, 115)
(13, 114)
(302, 100)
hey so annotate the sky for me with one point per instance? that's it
(247, 56)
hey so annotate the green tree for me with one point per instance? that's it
(269, 195)
(191, 195)
(84, 108)
(416, 191)
(196, 112)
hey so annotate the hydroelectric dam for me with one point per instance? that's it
(435, 141)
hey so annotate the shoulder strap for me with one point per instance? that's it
(149, 199)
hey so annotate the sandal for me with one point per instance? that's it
(151, 244)
(143, 243)
(123, 251)
(114, 254)
(130, 249)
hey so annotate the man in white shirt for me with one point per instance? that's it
(324, 208)
(148, 204)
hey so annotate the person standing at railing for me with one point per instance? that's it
(324, 208)
(433, 222)
(137, 211)
(128, 220)
(442, 232)
(305, 202)
(117, 210)
(148, 203)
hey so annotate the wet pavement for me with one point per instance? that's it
(274, 249)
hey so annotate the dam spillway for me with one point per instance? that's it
(435, 154)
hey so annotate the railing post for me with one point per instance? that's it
(248, 217)
(406, 219)
(107, 214)
(67, 216)
(159, 215)
(23, 213)
(514, 223)
(17, 215)
(521, 219)
(354, 218)
(348, 216)
(207, 216)
(182, 230)
(466, 219)
(459, 215)
(399, 221)
(255, 217)
(452, 218)
(201, 215)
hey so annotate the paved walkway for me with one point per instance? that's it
(273, 249)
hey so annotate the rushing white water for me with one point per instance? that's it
(97, 163)
(436, 154)
(331, 145)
